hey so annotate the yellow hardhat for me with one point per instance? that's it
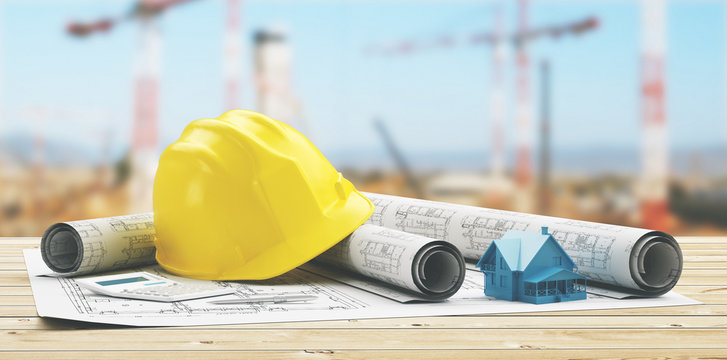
(246, 197)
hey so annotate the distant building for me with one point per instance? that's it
(530, 267)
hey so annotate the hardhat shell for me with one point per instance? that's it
(246, 197)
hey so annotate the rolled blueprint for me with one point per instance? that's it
(98, 245)
(639, 261)
(432, 268)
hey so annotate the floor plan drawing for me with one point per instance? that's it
(383, 257)
(141, 247)
(87, 229)
(94, 253)
(590, 252)
(394, 258)
(132, 223)
(480, 230)
(606, 253)
(63, 298)
(380, 206)
(107, 243)
(294, 282)
(422, 220)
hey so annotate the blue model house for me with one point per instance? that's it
(530, 267)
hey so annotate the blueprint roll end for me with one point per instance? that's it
(439, 270)
(656, 262)
(61, 248)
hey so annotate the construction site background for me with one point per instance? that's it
(605, 111)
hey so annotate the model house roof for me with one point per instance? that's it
(518, 248)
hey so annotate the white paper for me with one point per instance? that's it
(610, 254)
(432, 269)
(98, 245)
(394, 257)
(61, 297)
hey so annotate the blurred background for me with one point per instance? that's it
(610, 111)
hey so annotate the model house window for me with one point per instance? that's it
(503, 279)
(557, 260)
(502, 263)
(492, 279)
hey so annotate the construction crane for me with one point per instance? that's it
(654, 178)
(399, 159)
(498, 38)
(233, 55)
(144, 141)
(142, 9)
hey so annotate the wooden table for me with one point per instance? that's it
(682, 331)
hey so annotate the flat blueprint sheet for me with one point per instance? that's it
(60, 297)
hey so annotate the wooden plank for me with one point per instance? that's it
(14, 281)
(12, 249)
(716, 265)
(440, 322)
(701, 239)
(438, 354)
(683, 331)
(711, 252)
(11, 252)
(15, 290)
(12, 266)
(720, 245)
(697, 289)
(18, 310)
(19, 242)
(703, 280)
(419, 338)
(24, 305)
(705, 258)
(687, 310)
(7, 299)
(5, 274)
(703, 272)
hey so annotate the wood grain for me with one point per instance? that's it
(698, 331)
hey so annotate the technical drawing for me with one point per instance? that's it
(293, 282)
(591, 226)
(424, 220)
(132, 223)
(87, 229)
(93, 256)
(382, 257)
(481, 231)
(140, 249)
(590, 252)
(380, 205)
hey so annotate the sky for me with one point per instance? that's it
(433, 101)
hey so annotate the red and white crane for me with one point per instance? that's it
(498, 39)
(523, 114)
(144, 142)
(654, 178)
(273, 70)
(497, 97)
(233, 55)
